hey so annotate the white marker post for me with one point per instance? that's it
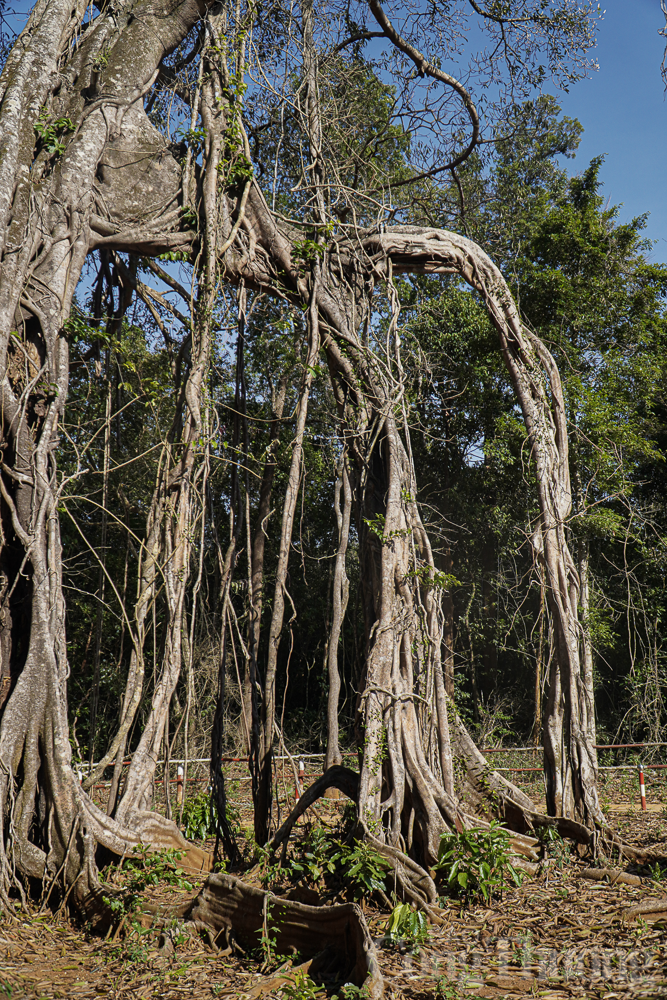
(299, 784)
(179, 785)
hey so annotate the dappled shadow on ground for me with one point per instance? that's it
(557, 936)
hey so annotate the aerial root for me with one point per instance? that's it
(412, 881)
(342, 778)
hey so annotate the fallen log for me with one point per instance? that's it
(230, 906)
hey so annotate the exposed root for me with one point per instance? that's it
(161, 833)
(612, 875)
(488, 788)
(652, 910)
(411, 881)
(228, 903)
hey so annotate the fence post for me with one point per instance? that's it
(179, 785)
(642, 787)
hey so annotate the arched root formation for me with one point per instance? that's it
(412, 882)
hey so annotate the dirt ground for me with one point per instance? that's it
(556, 936)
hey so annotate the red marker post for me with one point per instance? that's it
(642, 787)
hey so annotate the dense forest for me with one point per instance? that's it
(334, 419)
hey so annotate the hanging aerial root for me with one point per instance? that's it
(230, 906)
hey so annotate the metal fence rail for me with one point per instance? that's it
(293, 770)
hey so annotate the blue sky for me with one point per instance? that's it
(624, 113)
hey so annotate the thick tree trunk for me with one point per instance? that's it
(184, 482)
(388, 678)
(48, 204)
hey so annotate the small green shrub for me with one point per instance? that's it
(199, 816)
(351, 992)
(316, 855)
(303, 988)
(477, 863)
(658, 873)
(50, 131)
(407, 924)
(146, 868)
(553, 844)
(363, 866)
(270, 871)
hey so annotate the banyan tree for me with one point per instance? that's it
(266, 176)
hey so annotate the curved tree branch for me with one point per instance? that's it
(426, 68)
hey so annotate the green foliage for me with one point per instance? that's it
(315, 858)
(80, 331)
(303, 988)
(190, 217)
(553, 844)
(270, 871)
(434, 579)
(174, 255)
(269, 938)
(407, 924)
(146, 868)
(658, 872)
(351, 992)
(377, 527)
(446, 990)
(363, 866)
(235, 167)
(199, 816)
(307, 251)
(51, 130)
(477, 863)
(194, 137)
